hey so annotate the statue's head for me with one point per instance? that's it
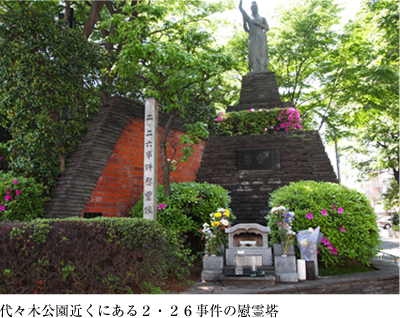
(254, 8)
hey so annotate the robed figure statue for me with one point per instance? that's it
(257, 28)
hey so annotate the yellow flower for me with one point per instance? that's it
(217, 215)
(227, 213)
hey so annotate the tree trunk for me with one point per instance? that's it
(396, 174)
(163, 149)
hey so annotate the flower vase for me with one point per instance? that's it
(279, 250)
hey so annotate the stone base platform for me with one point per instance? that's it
(210, 275)
(268, 280)
(287, 277)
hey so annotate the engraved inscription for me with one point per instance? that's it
(259, 159)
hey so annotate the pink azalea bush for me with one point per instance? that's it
(262, 121)
(345, 217)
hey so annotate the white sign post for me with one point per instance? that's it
(150, 159)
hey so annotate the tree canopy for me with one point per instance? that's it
(47, 73)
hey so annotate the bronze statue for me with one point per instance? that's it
(257, 28)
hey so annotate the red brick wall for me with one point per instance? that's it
(121, 182)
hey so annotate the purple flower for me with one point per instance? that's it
(8, 197)
(325, 241)
(340, 211)
(161, 206)
(309, 216)
(334, 251)
(279, 118)
(2, 208)
(342, 229)
(17, 192)
(15, 181)
(1, 158)
(333, 207)
(324, 212)
(266, 129)
(290, 117)
(8, 192)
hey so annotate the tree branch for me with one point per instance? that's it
(92, 18)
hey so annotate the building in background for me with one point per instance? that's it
(377, 184)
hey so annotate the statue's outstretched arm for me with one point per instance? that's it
(245, 15)
(246, 18)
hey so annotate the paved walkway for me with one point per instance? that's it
(383, 280)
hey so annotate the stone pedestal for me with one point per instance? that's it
(301, 157)
(212, 268)
(259, 90)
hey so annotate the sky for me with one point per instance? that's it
(266, 9)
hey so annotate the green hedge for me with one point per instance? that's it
(345, 217)
(102, 255)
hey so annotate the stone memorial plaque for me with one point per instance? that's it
(259, 159)
(150, 159)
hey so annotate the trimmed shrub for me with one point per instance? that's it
(188, 207)
(21, 199)
(345, 217)
(102, 255)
